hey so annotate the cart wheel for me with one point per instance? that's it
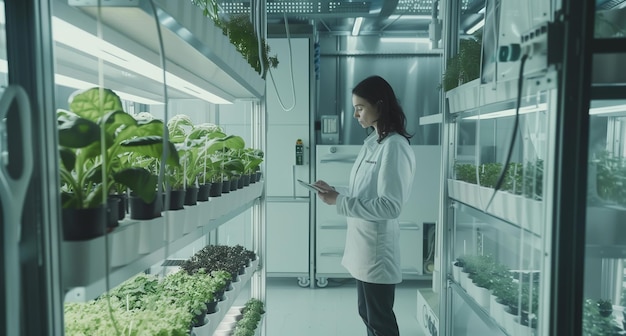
(322, 282)
(304, 282)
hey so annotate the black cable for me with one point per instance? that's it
(520, 82)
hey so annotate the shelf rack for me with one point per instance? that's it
(84, 273)
(194, 48)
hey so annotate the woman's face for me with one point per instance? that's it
(364, 112)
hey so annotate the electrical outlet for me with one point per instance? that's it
(542, 46)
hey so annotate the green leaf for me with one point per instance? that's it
(234, 142)
(234, 165)
(68, 158)
(152, 146)
(93, 105)
(139, 180)
(76, 132)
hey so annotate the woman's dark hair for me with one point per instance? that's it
(376, 91)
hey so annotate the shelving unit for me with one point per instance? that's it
(84, 271)
(509, 227)
(193, 48)
(136, 47)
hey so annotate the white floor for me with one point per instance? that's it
(330, 311)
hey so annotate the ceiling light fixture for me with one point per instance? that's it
(357, 26)
(78, 39)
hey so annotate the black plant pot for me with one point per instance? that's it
(123, 205)
(216, 189)
(191, 196)
(177, 200)
(258, 176)
(233, 184)
(246, 180)
(212, 306)
(252, 178)
(199, 320)
(84, 224)
(142, 210)
(240, 182)
(113, 209)
(225, 187)
(204, 190)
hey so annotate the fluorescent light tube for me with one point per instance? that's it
(509, 112)
(81, 85)
(415, 40)
(79, 39)
(477, 26)
(607, 110)
(357, 26)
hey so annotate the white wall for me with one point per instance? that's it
(285, 127)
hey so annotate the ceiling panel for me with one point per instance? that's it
(380, 16)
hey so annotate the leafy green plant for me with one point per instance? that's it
(135, 290)
(489, 174)
(533, 180)
(513, 179)
(610, 177)
(241, 34)
(251, 159)
(89, 168)
(95, 318)
(465, 65)
(596, 323)
(252, 311)
(217, 258)
(465, 172)
(192, 291)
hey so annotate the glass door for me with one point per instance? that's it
(29, 281)
(604, 294)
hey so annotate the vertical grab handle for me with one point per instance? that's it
(12, 195)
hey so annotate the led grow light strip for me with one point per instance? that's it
(357, 26)
(79, 84)
(79, 39)
(509, 112)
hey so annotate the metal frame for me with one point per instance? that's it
(445, 229)
(30, 62)
(570, 178)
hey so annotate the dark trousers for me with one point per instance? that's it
(376, 308)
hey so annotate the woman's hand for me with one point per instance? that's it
(329, 196)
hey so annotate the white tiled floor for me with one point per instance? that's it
(330, 311)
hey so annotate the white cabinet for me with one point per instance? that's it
(288, 238)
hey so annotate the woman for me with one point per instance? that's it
(380, 184)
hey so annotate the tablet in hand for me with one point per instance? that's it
(311, 187)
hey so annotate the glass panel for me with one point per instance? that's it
(4, 162)
(605, 280)
(610, 21)
(498, 239)
(4, 78)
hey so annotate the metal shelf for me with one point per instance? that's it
(476, 308)
(84, 271)
(195, 49)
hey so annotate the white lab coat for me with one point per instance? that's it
(380, 185)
